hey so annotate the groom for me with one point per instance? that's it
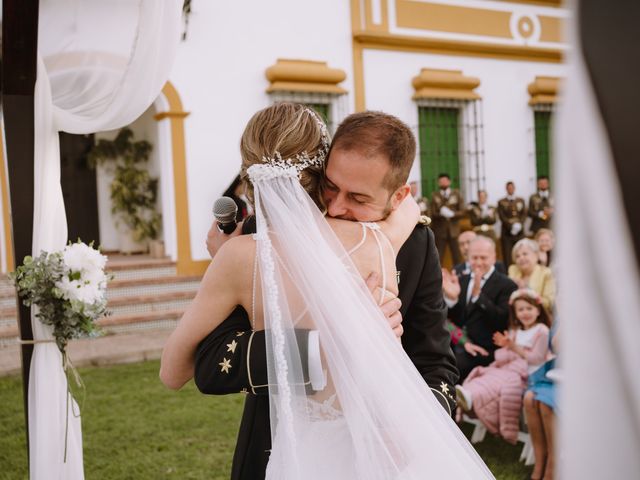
(369, 161)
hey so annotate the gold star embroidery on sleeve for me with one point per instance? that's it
(444, 387)
(226, 365)
(231, 347)
(239, 334)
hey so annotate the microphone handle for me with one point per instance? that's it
(227, 228)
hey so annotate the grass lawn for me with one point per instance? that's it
(134, 428)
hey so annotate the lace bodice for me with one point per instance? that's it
(322, 411)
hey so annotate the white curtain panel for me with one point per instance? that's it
(599, 306)
(101, 64)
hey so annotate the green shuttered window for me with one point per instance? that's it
(542, 126)
(438, 129)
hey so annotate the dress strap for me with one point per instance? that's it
(383, 269)
(362, 240)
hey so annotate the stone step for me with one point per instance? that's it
(8, 302)
(150, 303)
(126, 305)
(113, 324)
(9, 334)
(117, 289)
(132, 269)
(7, 289)
(8, 316)
(166, 319)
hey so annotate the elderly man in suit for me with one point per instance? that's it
(447, 207)
(479, 303)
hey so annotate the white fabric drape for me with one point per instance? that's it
(599, 306)
(376, 419)
(101, 63)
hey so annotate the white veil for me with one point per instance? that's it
(384, 423)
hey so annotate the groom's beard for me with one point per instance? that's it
(385, 213)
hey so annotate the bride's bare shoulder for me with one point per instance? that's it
(235, 255)
(346, 230)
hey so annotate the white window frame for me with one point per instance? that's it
(337, 103)
(470, 142)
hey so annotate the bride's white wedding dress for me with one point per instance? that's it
(376, 419)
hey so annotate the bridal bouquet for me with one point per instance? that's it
(68, 287)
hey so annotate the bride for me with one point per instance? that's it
(368, 414)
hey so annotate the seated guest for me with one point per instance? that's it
(464, 240)
(479, 303)
(528, 273)
(494, 393)
(546, 241)
(540, 405)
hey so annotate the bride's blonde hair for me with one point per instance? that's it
(286, 130)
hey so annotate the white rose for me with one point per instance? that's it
(80, 257)
(89, 263)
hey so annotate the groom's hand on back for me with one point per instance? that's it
(216, 238)
(390, 309)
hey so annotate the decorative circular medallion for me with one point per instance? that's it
(525, 28)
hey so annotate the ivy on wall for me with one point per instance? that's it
(133, 191)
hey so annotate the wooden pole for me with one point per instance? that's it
(19, 66)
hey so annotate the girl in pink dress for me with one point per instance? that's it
(494, 393)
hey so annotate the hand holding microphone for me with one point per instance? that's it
(224, 211)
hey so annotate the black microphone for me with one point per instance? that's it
(225, 211)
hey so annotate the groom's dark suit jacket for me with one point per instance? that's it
(425, 340)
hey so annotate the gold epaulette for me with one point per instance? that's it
(424, 220)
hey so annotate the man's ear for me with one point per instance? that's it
(399, 195)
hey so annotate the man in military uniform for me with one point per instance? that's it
(423, 202)
(541, 206)
(483, 216)
(446, 210)
(512, 212)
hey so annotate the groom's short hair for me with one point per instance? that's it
(374, 133)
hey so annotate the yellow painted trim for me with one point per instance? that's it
(305, 87)
(551, 29)
(356, 16)
(382, 41)
(185, 265)
(304, 76)
(358, 76)
(383, 26)
(170, 114)
(450, 18)
(543, 3)
(452, 84)
(544, 90)
(6, 211)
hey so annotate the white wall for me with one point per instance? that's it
(144, 128)
(508, 119)
(220, 75)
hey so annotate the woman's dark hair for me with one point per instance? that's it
(231, 190)
(544, 316)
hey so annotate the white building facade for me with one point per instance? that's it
(475, 79)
